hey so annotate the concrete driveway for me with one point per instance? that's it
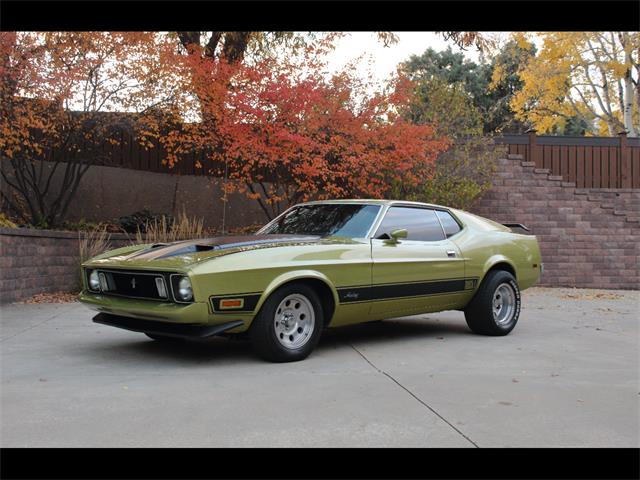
(566, 376)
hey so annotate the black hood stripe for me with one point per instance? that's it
(159, 251)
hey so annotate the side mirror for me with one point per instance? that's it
(396, 235)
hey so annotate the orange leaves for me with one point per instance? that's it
(282, 128)
(307, 132)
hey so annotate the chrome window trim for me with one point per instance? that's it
(277, 218)
(444, 232)
(376, 223)
(367, 235)
(421, 207)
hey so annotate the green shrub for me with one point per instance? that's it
(138, 221)
(459, 176)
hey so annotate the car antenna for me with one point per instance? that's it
(224, 196)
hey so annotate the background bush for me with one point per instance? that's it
(138, 221)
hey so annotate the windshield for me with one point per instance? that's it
(329, 219)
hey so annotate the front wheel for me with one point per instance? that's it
(288, 326)
(496, 306)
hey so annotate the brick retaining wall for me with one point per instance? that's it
(589, 238)
(37, 261)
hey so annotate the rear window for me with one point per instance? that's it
(449, 224)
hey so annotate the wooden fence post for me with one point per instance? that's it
(625, 161)
(533, 149)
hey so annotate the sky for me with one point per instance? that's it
(384, 60)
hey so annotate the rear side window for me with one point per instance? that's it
(421, 223)
(449, 224)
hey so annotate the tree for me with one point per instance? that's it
(504, 84)
(462, 172)
(58, 92)
(283, 131)
(588, 75)
(465, 39)
(490, 84)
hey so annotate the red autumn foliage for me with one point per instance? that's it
(286, 131)
(281, 129)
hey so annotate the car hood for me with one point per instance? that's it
(177, 255)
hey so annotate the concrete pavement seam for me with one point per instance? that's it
(414, 396)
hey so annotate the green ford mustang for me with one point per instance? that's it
(319, 264)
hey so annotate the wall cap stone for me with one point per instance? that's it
(34, 232)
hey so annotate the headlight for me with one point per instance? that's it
(185, 292)
(94, 281)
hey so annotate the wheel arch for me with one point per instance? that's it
(499, 262)
(318, 281)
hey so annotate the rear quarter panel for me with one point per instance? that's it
(484, 247)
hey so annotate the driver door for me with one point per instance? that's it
(419, 274)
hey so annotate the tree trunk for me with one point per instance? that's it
(628, 104)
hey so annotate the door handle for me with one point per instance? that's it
(451, 253)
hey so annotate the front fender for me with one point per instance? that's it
(291, 276)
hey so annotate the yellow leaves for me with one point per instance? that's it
(574, 73)
(522, 39)
(497, 76)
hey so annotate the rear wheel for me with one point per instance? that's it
(496, 306)
(288, 326)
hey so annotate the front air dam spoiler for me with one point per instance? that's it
(164, 328)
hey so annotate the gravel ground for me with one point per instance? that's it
(568, 375)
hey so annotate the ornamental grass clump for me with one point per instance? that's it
(165, 230)
(92, 242)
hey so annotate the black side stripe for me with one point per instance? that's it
(361, 293)
(401, 290)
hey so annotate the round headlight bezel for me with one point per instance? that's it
(93, 281)
(185, 290)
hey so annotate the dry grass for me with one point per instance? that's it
(162, 231)
(93, 242)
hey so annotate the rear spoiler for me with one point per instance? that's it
(516, 225)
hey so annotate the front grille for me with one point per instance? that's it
(132, 284)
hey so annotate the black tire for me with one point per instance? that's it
(164, 338)
(479, 313)
(263, 334)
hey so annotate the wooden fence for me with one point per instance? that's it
(590, 162)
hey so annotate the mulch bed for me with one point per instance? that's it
(55, 297)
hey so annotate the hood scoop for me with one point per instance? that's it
(195, 248)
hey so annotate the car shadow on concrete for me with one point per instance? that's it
(238, 350)
(392, 330)
(216, 349)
